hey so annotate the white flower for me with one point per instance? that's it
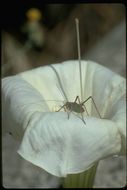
(49, 139)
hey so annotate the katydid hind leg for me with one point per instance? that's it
(90, 97)
(81, 110)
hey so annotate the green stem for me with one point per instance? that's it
(81, 180)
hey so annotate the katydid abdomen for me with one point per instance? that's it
(75, 107)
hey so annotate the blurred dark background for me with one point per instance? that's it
(53, 34)
(36, 34)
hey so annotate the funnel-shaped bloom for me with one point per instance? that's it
(49, 139)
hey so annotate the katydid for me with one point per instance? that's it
(78, 107)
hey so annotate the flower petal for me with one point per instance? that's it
(50, 140)
(62, 146)
(119, 117)
(19, 101)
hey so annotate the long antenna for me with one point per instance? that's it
(79, 55)
(61, 86)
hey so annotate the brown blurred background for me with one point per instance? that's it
(55, 38)
(32, 38)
